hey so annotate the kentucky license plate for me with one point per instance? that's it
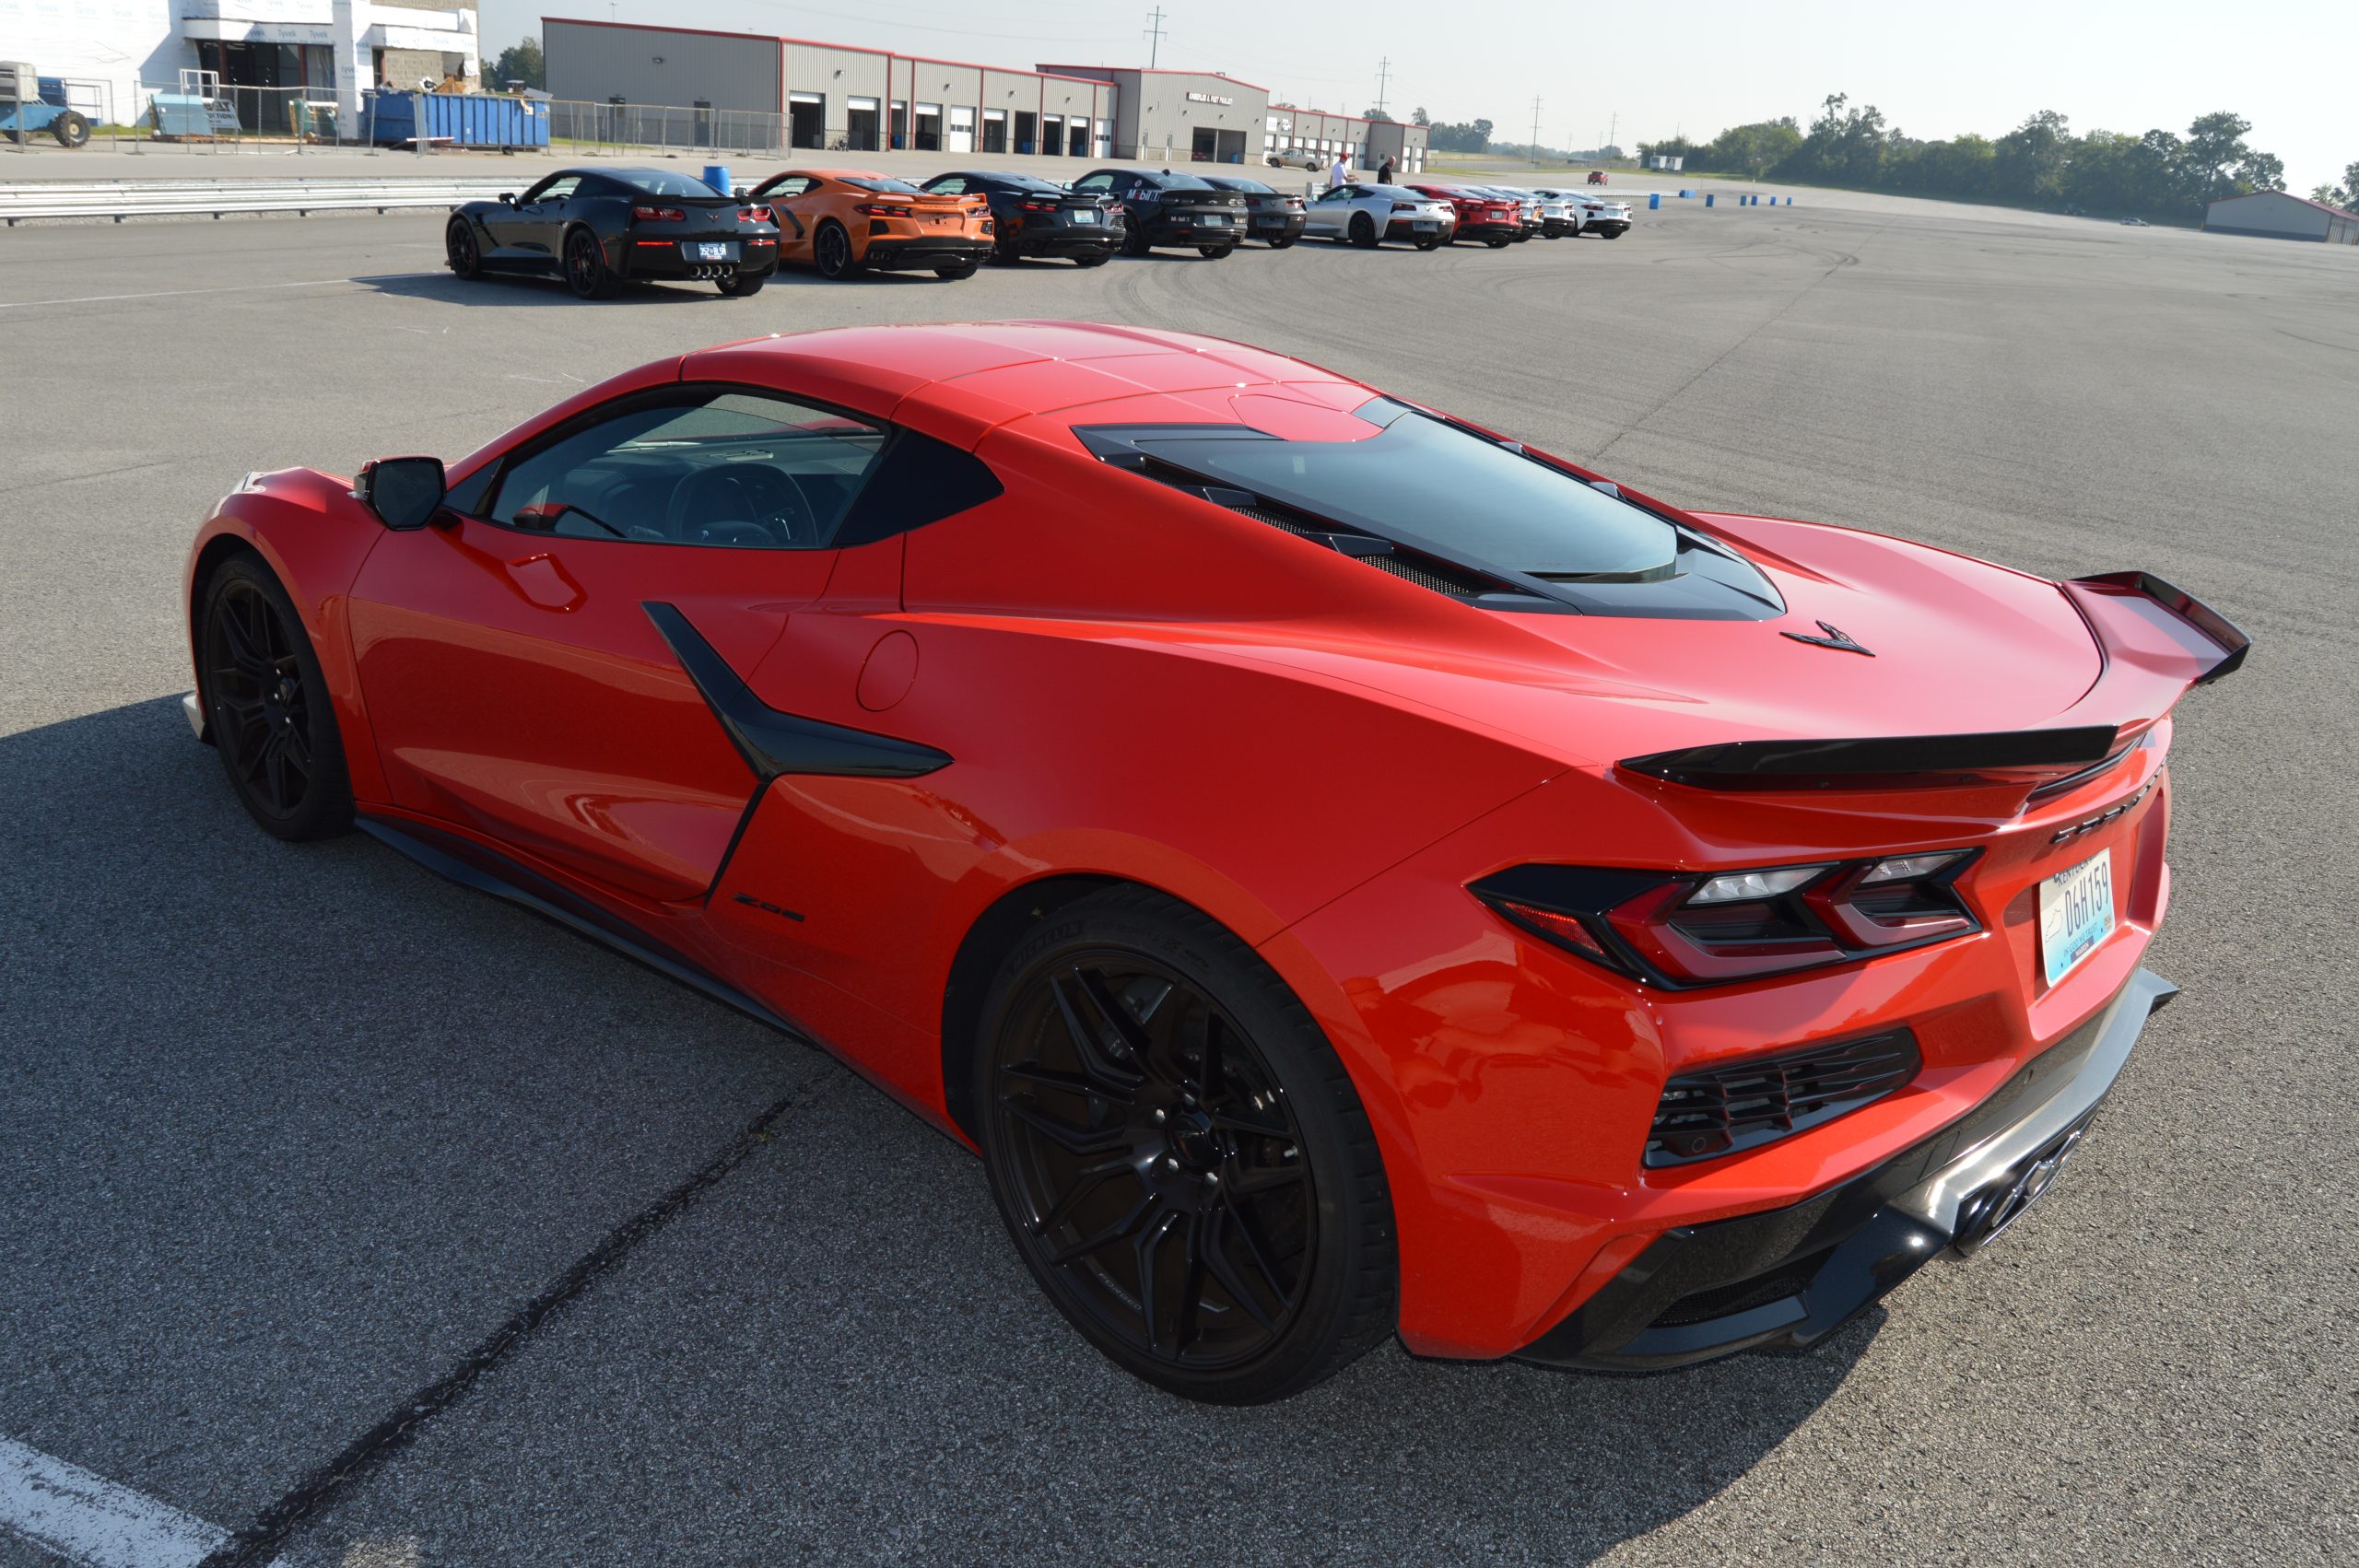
(714, 251)
(1087, 215)
(2075, 914)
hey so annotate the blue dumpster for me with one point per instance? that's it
(1710, 198)
(461, 119)
(1654, 199)
(717, 176)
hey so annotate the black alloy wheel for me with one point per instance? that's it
(1135, 242)
(831, 252)
(953, 271)
(1094, 259)
(743, 286)
(1213, 252)
(585, 266)
(1428, 244)
(1283, 240)
(1179, 1156)
(459, 249)
(266, 706)
(1498, 241)
(1364, 231)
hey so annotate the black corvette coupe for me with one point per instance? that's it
(599, 227)
(1032, 217)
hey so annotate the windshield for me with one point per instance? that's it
(890, 187)
(663, 183)
(1175, 181)
(1422, 480)
(1231, 183)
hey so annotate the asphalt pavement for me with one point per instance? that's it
(393, 1227)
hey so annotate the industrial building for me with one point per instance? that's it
(852, 98)
(324, 50)
(831, 96)
(1365, 143)
(2279, 215)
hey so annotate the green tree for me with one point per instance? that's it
(2214, 162)
(1844, 145)
(1417, 116)
(2030, 159)
(1469, 136)
(2344, 195)
(518, 63)
(1754, 150)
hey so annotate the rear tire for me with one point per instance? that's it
(459, 249)
(1498, 242)
(737, 286)
(266, 706)
(70, 129)
(1612, 233)
(954, 272)
(1179, 1155)
(585, 266)
(831, 254)
(1428, 244)
(1097, 260)
(1213, 252)
(1364, 233)
(1134, 243)
(1283, 241)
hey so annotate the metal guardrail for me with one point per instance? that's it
(166, 198)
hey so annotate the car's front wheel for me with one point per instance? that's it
(1180, 1156)
(266, 706)
(459, 248)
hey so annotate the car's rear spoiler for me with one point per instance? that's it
(2156, 641)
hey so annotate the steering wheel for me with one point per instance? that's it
(741, 503)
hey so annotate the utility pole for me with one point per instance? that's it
(1155, 32)
(1613, 125)
(1383, 75)
(1535, 131)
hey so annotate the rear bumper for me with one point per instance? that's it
(665, 263)
(1784, 1279)
(887, 253)
(1406, 228)
(1605, 226)
(1277, 225)
(1167, 233)
(1487, 230)
(1060, 242)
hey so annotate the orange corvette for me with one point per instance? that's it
(845, 221)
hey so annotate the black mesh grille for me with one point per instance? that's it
(1724, 1301)
(1725, 1110)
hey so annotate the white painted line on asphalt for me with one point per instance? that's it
(171, 293)
(90, 1521)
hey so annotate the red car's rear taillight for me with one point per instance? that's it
(658, 215)
(1684, 931)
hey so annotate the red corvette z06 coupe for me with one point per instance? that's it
(1347, 871)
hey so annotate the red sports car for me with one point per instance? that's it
(1348, 872)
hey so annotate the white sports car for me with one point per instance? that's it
(1369, 214)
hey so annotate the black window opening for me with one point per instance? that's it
(807, 120)
(1455, 510)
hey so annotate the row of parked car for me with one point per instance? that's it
(599, 227)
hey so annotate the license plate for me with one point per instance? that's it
(1425, 224)
(2075, 914)
(713, 251)
(1217, 219)
(1087, 215)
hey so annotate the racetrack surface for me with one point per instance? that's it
(288, 1133)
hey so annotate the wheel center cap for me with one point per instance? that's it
(1191, 1136)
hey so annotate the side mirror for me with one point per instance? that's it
(742, 194)
(508, 198)
(404, 492)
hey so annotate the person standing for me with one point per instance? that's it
(1337, 174)
(1384, 171)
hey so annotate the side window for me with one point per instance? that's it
(556, 190)
(788, 187)
(948, 185)
(1340, 194)
(720, 465)
(1100, 182)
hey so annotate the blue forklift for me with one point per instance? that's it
(30, 104)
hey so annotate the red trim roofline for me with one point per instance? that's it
(872, 50)
(2256, 195)
(1146, 71)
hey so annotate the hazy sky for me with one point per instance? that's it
(1698, 65)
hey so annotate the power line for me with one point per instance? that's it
(1155, 32)
(1383, 75)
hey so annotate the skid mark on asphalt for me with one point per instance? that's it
(93, 1522)
(254, 1543)
(1842, 259)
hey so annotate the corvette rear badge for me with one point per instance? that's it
(1836, 637)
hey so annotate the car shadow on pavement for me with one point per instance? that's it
(287, 1128)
